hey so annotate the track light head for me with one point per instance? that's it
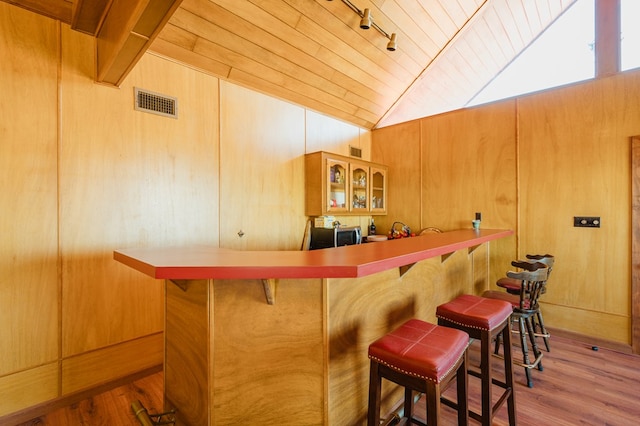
(365, 22)
(392, 45)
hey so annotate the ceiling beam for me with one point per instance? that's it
(128, 29)
(88, 15)
(607, 31)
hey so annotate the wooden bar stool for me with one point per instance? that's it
(513, 286)
(421, 357)
(525, 307)
(484, 319)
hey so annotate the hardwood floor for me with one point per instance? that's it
(579, 386)
(111, 408)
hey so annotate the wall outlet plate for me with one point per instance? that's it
(586, 221)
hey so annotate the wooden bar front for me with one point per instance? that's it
(274, 351)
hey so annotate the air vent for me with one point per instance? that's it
(155, 103)
(355, 152)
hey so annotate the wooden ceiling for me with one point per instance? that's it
(313, 53)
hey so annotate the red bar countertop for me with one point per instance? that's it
(203, 262)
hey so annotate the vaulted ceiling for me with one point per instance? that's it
(313, 52)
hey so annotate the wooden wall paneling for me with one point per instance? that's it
(129, 178)
(94, 368)
(188, 383)
(261, 171)
(56, 9)
(480, 258)
(398, 147)
(28, 198)
(269, 358)
(323, 133)
(584, 171)
(469, 166)
(29, 387)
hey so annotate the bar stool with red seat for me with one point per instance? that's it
(513, 286)
(484, 319)
(525, 306)
(421, 357)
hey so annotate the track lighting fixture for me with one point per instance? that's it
(367, 22)
(391, 46)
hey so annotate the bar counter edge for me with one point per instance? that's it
(203, 262)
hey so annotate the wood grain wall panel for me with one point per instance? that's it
(28, 195)
(596, 324)
(265, 357)
(129, 178)
(187, 381)
(481, 271)
(323, 133)
(261, 171)
(28, 387)
(584, 133)
(469, 166)
(573, 155)
(58, 9)
(94, 368)
(398, 147)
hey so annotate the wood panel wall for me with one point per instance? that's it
(531, 164)
(575, 161)
(83, 173)
(29, 264)
(444, 169)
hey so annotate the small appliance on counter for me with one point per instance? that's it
(335, 237)
(401, 231)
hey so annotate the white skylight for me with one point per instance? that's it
(630, 46)
(562, 54)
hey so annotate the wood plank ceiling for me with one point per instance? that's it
(313, 52)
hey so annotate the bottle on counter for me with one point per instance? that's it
(372, 228)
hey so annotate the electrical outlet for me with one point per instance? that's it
(586, 221)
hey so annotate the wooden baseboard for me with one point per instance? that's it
(66, 400)
(591, 341)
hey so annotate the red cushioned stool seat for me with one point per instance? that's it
(484, 319)
(421, 357)
(510, 285)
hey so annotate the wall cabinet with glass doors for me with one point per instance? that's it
(339, 185)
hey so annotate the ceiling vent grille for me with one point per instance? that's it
(355, 152)
(155, 103)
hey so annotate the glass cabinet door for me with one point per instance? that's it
(378, 190)
(338, 177)
(359, 187)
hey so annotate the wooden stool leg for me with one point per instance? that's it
(534, 343)
(408, 403)
(462, 385)
(375, 384)
(525, 351)
(508, 374)
(486, 375)
(433, 404)
(539, 325)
